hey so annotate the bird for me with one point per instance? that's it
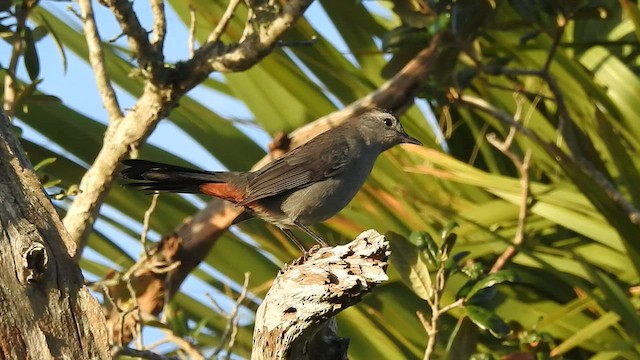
(305, 186)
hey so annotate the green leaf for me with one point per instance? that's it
(616, 300)
(491, 280)
(31, 61)
(590, 331)
(406, 259)
(448, 244)
(425, 242)
(487, 320)
(56, 40)
(402, 36)
(633, 13)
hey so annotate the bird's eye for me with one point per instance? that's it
(388, 122)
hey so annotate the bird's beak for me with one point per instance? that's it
(406, 139)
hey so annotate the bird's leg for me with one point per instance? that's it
(308, 231)
(292, 237)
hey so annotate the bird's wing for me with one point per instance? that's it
(320, 158)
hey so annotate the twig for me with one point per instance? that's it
(159, 25)
(231, 330)
(96, 58)
(518, 90)
(137, 35)
(431, 326)
(562, 23)
(170, 337)
(137, 326)
(193, 352)
(251, 48)
(145, 223)
(224, 21)
(192, 30)
(523, 169)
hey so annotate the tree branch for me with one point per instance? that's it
(120, 137)
(159, 25)
(137, 35)
(214, 56)
(156, 101)
(214, 37)
(295, 320)
(96, 58)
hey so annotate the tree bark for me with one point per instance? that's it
(296, 319)
(47, 312)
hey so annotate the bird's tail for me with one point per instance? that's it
(158, 177)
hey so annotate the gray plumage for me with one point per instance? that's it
(307, 185)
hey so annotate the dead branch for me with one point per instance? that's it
(96, 58)
(296, 318)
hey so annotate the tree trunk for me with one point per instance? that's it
(46, 311)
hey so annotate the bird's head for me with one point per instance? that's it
(383, 129)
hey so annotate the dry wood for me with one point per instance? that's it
(296, 318)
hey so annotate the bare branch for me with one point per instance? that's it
(523, 169)
(224, 21)
(137, 35)
(96, 58)
(119, 139)
(214, 57)
(293, 318)
(145, 223)
(159, 25)
(192, 30)
(231, 329)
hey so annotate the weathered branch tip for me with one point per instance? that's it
(296, 318)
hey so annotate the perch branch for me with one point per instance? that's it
(295, 319)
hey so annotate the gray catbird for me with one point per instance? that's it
(307, 185)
